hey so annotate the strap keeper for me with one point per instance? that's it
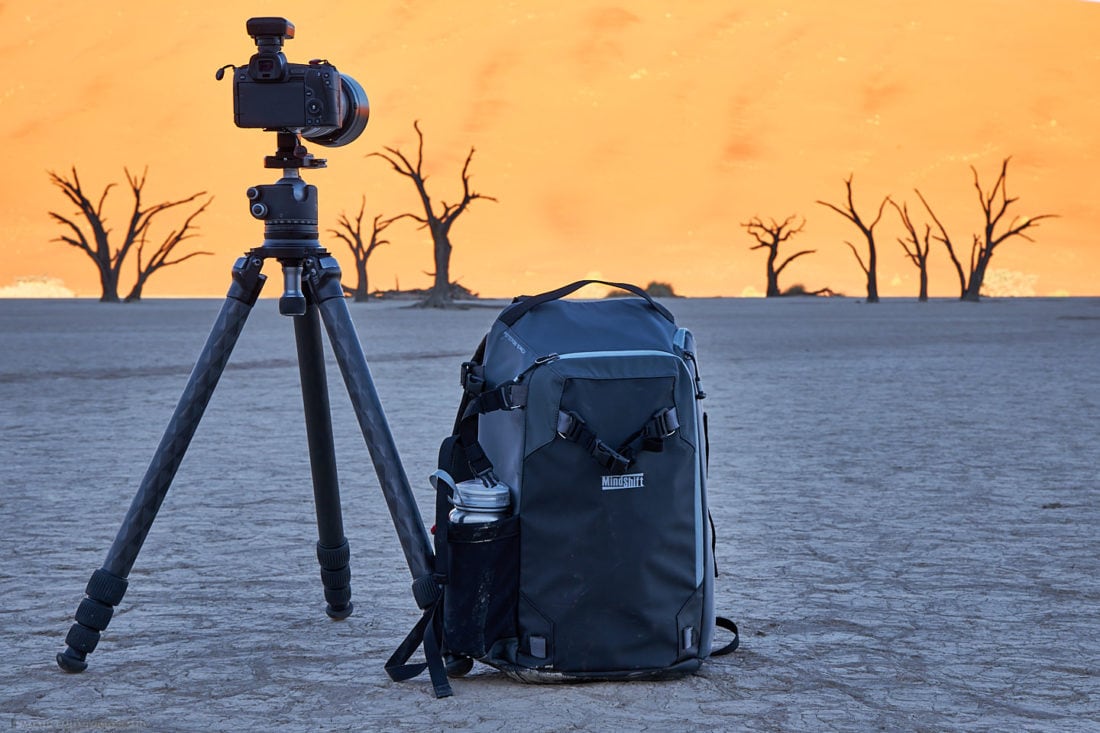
(569, 426)
(663, 424)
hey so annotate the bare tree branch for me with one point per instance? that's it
(769, 236)
(859, 259)
(918, 255)
(793, 257)
(438, 222)
(361, 246)
(851, 214)
(97, 246)
(994, 205)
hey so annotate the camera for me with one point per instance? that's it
(313, 100)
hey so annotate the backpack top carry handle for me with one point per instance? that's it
(523, 304)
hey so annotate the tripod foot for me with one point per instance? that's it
(339, 613)
(72, 661)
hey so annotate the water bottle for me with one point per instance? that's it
(476, 503)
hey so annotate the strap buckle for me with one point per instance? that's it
(608, 457)
(509, 397)
(515, 396)
(472, 377)
(666, 423)
(488, 477)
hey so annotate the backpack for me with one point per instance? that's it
(589, 551)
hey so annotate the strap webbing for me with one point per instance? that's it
(650, 437)
(427, 631)
(508, 397)
(724, 623)
(572, 427)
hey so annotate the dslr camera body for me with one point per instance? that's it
(313, 100)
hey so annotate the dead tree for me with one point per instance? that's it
(96, 242)
(439, 224)
(994, 205)
(916, 248)
(850, 213)
(361, 248)
(945, 238)
(770, 236)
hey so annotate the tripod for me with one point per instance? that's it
(311, 293)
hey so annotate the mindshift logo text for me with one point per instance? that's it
(622, 481)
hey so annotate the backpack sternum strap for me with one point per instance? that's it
(650, 437)
(573, 428)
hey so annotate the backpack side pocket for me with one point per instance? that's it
(481, 596)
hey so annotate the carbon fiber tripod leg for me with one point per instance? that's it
(108, 584)
(323, 281)
(332, 546)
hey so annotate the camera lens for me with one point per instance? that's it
(356, 111)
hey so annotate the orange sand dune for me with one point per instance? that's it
(628, 139)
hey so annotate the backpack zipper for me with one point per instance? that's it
(602, 354)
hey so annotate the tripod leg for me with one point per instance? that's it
(108, 584)
(323, 280)
(332, 547)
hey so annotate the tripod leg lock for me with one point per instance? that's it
(336, 579)
(247, 279)
(426, 590)
(321, 278)
(106, 587)
(104, 592)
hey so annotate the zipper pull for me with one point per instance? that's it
(699, 393)
(535, 365)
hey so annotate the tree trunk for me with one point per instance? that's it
(923, 298)
(872, 288)
(773, 276)
(362, 290)
(108, 281)
(440, 295)
(135, 292)
(973, 292)
(872, 276)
